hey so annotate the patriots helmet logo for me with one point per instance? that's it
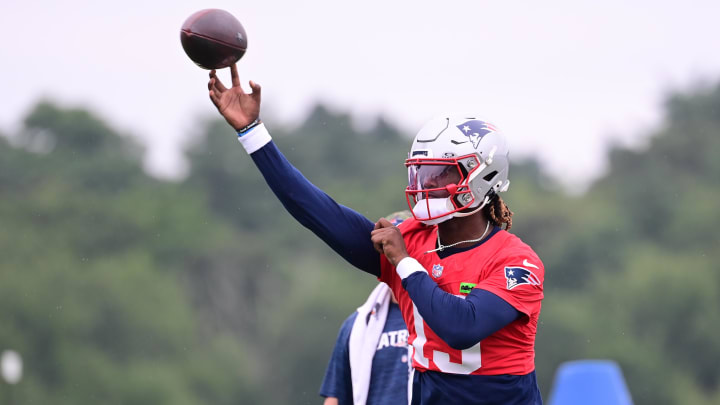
(475, 130)
(516, 276)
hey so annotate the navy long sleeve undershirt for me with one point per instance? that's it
(459, 322)
(346, 231)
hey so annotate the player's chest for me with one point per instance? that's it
(456, 274)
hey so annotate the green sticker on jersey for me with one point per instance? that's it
(466, 287)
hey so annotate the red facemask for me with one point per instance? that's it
(440, 185)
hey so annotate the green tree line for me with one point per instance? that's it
(120, 288)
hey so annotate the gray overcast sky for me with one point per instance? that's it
(562, 78)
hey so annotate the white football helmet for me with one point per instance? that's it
(455, 165)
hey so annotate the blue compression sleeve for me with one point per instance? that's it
(346, 231)
(461, 323)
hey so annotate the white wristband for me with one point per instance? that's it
(408, 266)
(255, 139)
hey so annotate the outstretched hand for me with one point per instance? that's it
(238, 108)
(388, 240)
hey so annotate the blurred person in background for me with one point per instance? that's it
(370, 361)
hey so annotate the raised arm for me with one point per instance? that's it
(346, 231)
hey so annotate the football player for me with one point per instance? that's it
(469, 291)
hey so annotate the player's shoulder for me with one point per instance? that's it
(411, 226)
(514, 251)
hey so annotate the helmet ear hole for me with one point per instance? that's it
(488, 177)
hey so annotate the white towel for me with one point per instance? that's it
(364, 337)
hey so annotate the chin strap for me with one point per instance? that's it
(439, 207)
(485, 202)
(433, 207)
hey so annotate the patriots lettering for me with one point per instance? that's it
(393, 339)
(516, 276)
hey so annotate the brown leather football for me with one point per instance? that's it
(213, 38)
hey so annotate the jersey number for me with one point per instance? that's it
(470, 356)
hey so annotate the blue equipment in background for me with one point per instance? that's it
(589, 382)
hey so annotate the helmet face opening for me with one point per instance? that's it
(433, 177)
(439, 178)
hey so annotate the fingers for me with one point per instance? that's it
(215, 98)
(384, 235)
(256, 89)
(382, 231)
(216, 81)
(234, 75)
(389, 241)
(217, 86)
(383, 223)
(378, 242)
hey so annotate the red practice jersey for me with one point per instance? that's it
(503, 265)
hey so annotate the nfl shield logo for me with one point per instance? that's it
(437, 270)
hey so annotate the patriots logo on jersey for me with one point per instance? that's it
(475, 130)
(520, 275)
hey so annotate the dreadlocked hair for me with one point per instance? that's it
(498, 212)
